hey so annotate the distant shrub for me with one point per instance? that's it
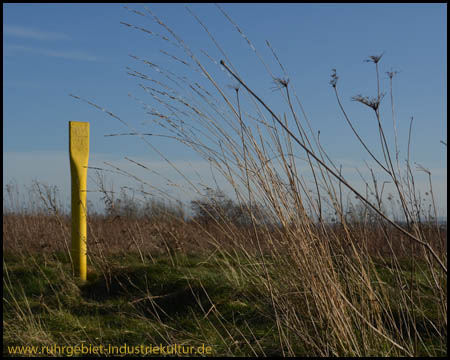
(216, 206)
(128, 206)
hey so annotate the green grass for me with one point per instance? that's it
(138, 304)
(199, 300)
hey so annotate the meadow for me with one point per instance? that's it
(156, 278)
(288, 266)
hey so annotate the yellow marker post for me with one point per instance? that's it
(79, 156)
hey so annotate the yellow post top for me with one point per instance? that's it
(79, 141)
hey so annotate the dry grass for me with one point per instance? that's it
(304, 280)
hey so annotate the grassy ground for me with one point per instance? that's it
(184, 297)
(189, 303)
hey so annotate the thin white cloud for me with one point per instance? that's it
(31, 33)
(65, 54)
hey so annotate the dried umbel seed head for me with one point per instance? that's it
(392, 73)
(334, 78)
(280, 83)
(374, 58)
(374, 103)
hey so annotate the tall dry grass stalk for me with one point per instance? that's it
(324, 282)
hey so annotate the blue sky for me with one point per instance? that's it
(53, 50)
